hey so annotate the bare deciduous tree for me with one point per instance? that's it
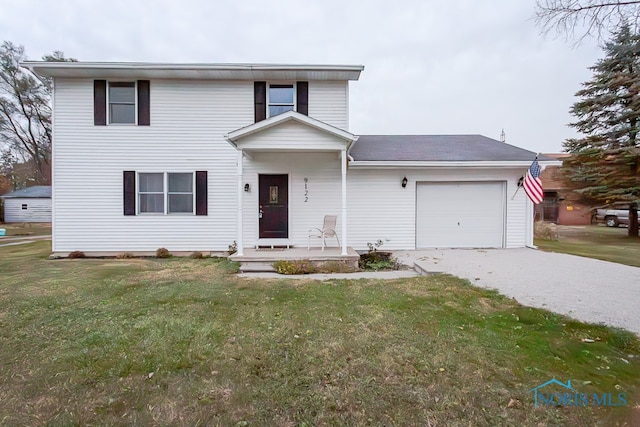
(25, 112)
(577, 19)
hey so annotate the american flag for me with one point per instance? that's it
(533, 183)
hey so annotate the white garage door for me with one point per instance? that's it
(460, 214)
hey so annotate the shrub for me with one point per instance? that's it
(303, 266)
(197, 255)
(335, 267)
(378, 261)
(124, 255)
(77, 254)
(163, 253)
(233, 248)
(545, 230)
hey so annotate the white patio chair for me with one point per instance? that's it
(328, 230)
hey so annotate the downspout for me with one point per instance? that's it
(240, 203)
(343, 161)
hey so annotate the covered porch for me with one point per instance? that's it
(291, 172)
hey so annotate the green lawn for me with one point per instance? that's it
(186, 342)
(593, 241)
(27, 229)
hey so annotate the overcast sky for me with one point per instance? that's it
(431, 66)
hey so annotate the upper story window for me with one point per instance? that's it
(122, 102)
(281, 99)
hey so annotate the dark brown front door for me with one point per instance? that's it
(274, 206)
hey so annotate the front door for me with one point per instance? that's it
(274, 206)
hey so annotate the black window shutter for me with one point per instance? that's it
(100, 102)
(302, 95)
(260, 100)
(201, 193)
(144, 115)
(129, 191)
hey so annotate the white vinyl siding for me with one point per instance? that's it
(292, 135)
(379, 208)
(38, 210)
(328, 102)
(460, 214)
(188, 122)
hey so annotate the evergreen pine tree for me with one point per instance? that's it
(605, 164)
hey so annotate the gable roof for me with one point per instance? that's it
(253, 128)
(149, 70)
(439, 148)
(35, 192)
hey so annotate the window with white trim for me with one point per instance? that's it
(281, 98)
(122, 102)
(180, 193)
(151, 192)
(166, 193)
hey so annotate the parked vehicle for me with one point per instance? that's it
(613, 217)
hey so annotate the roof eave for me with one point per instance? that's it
(234, 136)
(194, 70)
(477, 164)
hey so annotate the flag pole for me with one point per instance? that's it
(518, 189)
(521, 180)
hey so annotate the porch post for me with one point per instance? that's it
(343, 158)
(240, 193)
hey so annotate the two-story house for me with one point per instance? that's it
(193, 157)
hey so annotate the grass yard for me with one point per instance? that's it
(593, 241)
(26, 229)
(186, 342)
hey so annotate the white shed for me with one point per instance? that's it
(31, 204)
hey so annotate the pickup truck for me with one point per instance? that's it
(613, 217)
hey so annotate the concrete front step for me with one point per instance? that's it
(256, 266)
(262, 260)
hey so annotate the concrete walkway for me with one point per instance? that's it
(21, 240)
(583, 288)
(385, 275)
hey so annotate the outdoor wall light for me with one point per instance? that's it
(404, 182)
(246, 187)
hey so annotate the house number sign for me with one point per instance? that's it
(306, 190)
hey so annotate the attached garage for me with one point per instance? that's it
(460, 214)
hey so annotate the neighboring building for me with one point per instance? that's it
(555, 208)
(33, 204)
(197, 156)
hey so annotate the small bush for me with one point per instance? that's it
(376, 260)
(77, 254)
(303, 266)
(197, 255)
(545, 230)
(163, 253)
(335, 267)
(124, 255)
(233, 248)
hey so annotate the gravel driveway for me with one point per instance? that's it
(583, 288)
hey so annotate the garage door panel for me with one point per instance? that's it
(460, 214)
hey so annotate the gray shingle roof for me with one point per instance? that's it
(436, 148)
(35, 192)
